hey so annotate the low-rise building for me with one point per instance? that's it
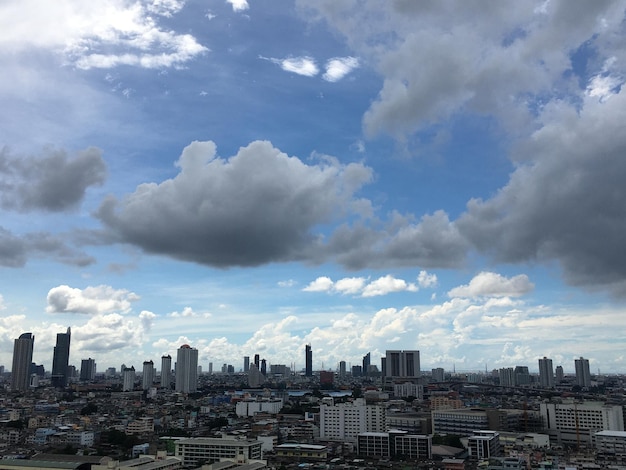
(203, 450)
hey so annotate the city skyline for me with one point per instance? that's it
(250, 177)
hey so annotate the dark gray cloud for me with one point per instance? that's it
(52, 182)
(15, 250)
(567, 201)
(256, 207)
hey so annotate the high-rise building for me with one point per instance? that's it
(263, 367)
(22, 359)
(257, 361)
(166, 371)
(87, 369)
(61, 359)
(559, 375)
(546, 373)
(438, 374)
(507, 377)
(366, 364)
(186, 369)
(402, 364)
(128, 379)
(583, 376)
(246, 364)
(147, 379)
(308, 361)
(342, 369)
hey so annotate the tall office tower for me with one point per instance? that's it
(308, 361)
(87, 369)
(366, 364)
(22, 359)
(61, 359)
(246, 364)
(522, 375)
(257, 361)
(583, 376)
(546, 373)
(186, 369)
(147, 378)
(128, 379)
(263, 367)
(342, 369)
(402, 364)
(558, 372)
(255, 379)
(166, 371)
(210, 368)
(438, 374)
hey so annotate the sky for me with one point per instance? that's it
(248, 177)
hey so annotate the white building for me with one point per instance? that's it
(128, 379)
(408, 389)
(345, 421)
(166, 371)
(251, 407)
(147, 379)
(484, 445)
(194, 451)
(576, 423)
(186, 369)
(546, 373)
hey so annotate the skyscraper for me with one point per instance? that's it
(61, 359)
(583, 376)
(166, 371)
(546, 373)
(128, 378)
(246, 364)
(186, 369)
(342, 369)
(22, 359)
(147, 378)
(308, 361)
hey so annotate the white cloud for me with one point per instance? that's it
(91, 300)
(321, 284)
(147, 319)
(426, 280)
(350, 285)
(489, 284)
(387, 284)
(2, 306)
(188, 312)
(603, 86)
(287, 283)
(300, 65)
(101, 34)
(339, 67)
(239, 5)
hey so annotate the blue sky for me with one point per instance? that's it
(250, 177)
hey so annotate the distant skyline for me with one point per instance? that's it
(248, 177)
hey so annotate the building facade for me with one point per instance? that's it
(546, 373)
(166, 371)
(205, 450)
(583, 375)
(61, 359)
(22, 359)
(186, 369)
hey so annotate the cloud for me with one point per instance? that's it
(299, 65)
(426, 279)
(239, 5)
(147, 319)
(339, 67)
(52, 182)
(387, 284)
(256, 207)
(2, 305)
(91, 300)
(360, 286)
(564, 201)
(188, 312)
(110, 336)
(489, 284)
(15, 250)
(98, 35)
(439, 60)
(287, 283)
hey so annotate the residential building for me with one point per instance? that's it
(583, 376)
(345, 421)
(342, 369)
(87, 370)
(128, 379)
(484, 445)
(251, 407)
(22, 360)
(546, 373)
(246, 364)
(166, 371)
(186, 369)
(366, 364)
(394, 444)
(438, 374)
(206, 450)
(507, 377)
(60, 359)
(147, 378)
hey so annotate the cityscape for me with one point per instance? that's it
(271, 416)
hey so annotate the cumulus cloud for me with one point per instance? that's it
(489, 284)
(108, 336)
(51, 182)
(339, 67)
(256, 207)
(361, 286)
(147, 319)
(426, 279)
(99, 35)
(91, 300)
(188, 312)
